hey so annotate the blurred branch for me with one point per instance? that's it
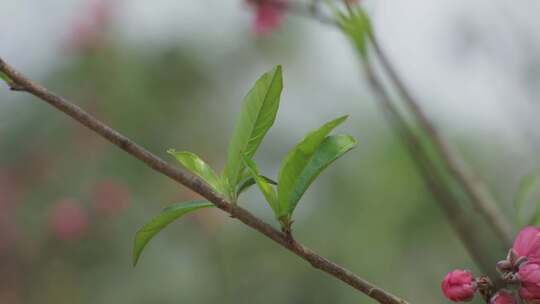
(21, 83)
(482, 199)
(311, 11)
(459, 221)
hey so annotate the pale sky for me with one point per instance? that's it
(466, 59)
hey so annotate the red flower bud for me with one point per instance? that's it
(527, 244)
(458, 285)
(503, 297)
(269, 14)
(529, 277)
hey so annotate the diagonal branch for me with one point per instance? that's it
(21, 83)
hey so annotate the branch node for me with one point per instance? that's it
(16, 88)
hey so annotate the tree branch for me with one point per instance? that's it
(482, 199)
(459, 221)
(22, 83)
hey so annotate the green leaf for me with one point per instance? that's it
(526, 186)
(6, 79)
(257, 115)
(198, 167)
(535, 218)
(250, 181)
(167, 216)
(330, 150)
(356, 25)
(297, 160)
(268, 192)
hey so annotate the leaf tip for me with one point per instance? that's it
(136, 253)
(339, 120)
(343, 117)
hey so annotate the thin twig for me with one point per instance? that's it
(482, 199)
(197, 185)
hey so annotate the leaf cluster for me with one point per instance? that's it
(299, 168)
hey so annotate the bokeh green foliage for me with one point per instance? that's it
(370, 212)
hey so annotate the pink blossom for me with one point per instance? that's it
(529, 277)
(110, 198)
(87, 31)
(458, 285)
(67, 220)
(503, 297)
(269, 15)
(527, 244)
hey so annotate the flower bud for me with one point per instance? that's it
(269, 14)
(527, 244)
(529, 277)
(458, 285)
(503, 297)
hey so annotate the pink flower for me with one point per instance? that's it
(503, 297)
(527, 244)
(67, 220)
(529, 277)
(268, 15)
(87, 31)
(110, 198)
(458, 285)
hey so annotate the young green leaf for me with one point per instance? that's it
(526, 186)
(535, 218)
(167, 216)
(356, 25)
(268, 192)
(332, 148)
(523, 196)
(250, 181)
(257, 115)
(198, 167)
(6, 79)
(295, 162)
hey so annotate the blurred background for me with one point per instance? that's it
(172, 74)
